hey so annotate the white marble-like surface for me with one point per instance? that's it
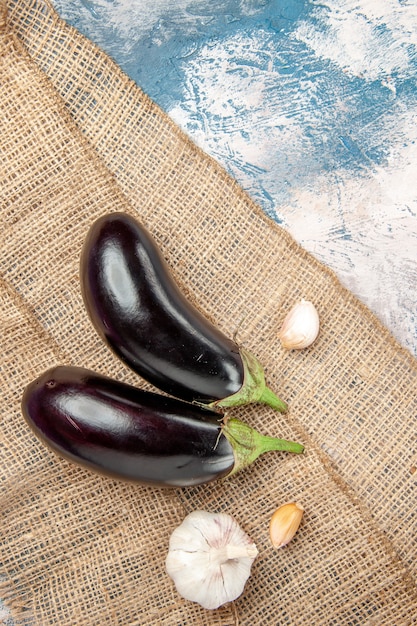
(311, 106)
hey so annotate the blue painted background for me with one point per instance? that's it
(159, 57)
(311, 106)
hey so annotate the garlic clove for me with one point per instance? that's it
(284, 523)
(210, 558)
(300, 327)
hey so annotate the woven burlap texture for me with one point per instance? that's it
(79, 139)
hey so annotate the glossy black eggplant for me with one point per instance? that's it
(140, 312)
(131, 434)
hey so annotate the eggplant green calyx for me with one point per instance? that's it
(253, 389)
(248, 444)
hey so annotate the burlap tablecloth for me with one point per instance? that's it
(79, 139)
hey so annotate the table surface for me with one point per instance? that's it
(311, 106)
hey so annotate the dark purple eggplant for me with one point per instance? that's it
(139, 311)
(131, 434)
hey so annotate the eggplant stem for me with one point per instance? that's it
(269, 398)
(253, 388)
(248, 444)
(264, 443)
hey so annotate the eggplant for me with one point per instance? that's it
(131, 434)
(139, 311)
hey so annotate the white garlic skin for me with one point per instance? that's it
(210, 558)
(300, 327)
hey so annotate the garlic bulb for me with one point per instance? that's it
(284, 523)
(210, 558)
(300, 327)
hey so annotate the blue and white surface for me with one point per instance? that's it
(311, 106)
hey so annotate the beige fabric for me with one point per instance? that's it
(79, 139)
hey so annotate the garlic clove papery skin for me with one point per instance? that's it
(210, 558)
(284, 523)
(300, 327)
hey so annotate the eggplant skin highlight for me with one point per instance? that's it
(139, 311)
(126, 433)
(131, 434)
